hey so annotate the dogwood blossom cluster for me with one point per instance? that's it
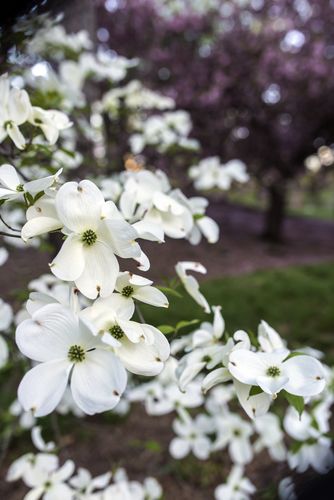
(299, 437)
(16, 110)
(147, 200)
(147, 117)
(81, 338)
(46, 477)
(210, 173)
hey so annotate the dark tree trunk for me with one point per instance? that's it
(274, 217)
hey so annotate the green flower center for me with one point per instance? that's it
(237, 432)
(20, 188)
(76, 354)
(89, 237)
(116, 331)
(273, 371)
(127, 291)
(198, 216)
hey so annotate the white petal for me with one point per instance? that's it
(18, 106)
(121, 237)
(9, 177)
(241, 451)
(202, 448)
(179, 448)
(209, 228)
(8, 194)
(142, 358)
(39, 225)
(16, 135)
(254, 406)
(98, 382)
(69, 263)
(57, 491)
(151, 295)
(48, 334)
(272, 385)
(189, 373)
(65, 471)
(106, 311)
(42, 387)
(79, 206)
(100, 271)
(218, 322)
(246, 366)
(306, 376)
(34, 494)
(215, 377)
(149, 231)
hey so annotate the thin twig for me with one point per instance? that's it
(56, 428)
(7, 225)
(2, 233)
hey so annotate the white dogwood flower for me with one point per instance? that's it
(29, 465)
(192, 436)
(190, 283)
(270, 436)
(131, 286)
(86, 485)
(298, 375)
(66, 349)
(15, 109)
(209, 333)
(237, 486)
(51, 484)
(202, 224)
(141, 348)
(211, 173)
(95, 232)
(12, 185)
(234, 432)
(50, 121)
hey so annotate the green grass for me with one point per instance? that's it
(297, 301)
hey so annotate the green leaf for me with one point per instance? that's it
(170, 291)
(166, 329)
(153, 445)
(29, 198)
(294, 354)
(295, 447)
(68, 152)
(253, 338)
(185, 323)
(38, 196)
(296, 401)
(254, 391)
